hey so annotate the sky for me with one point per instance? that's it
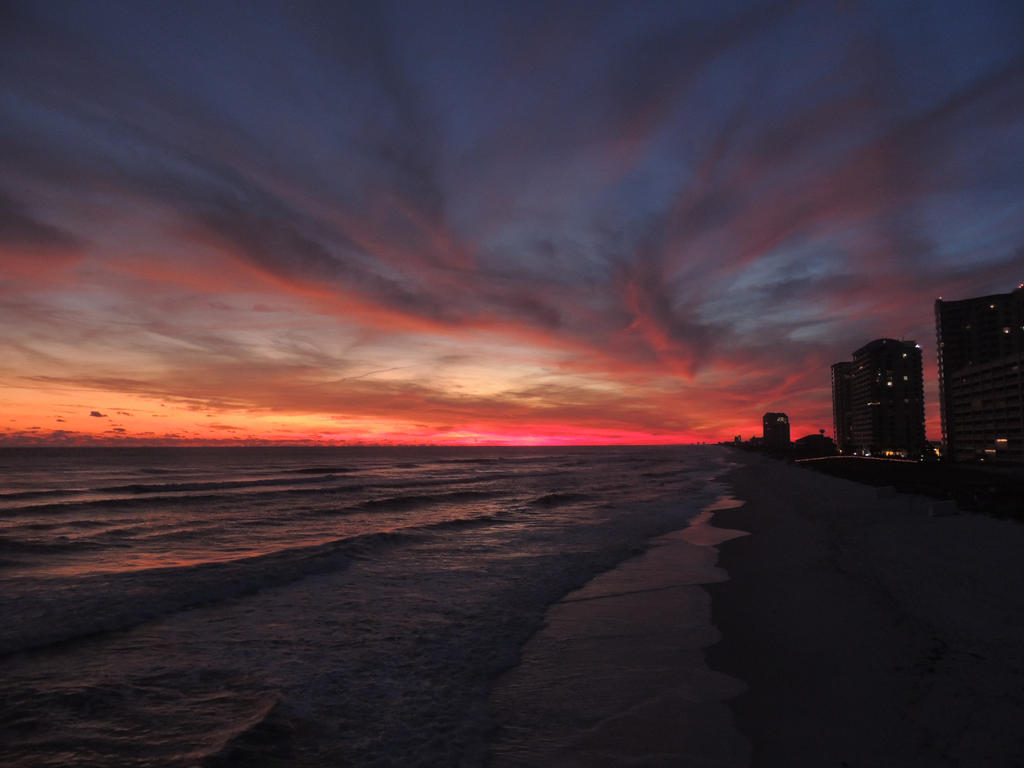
(488, 222)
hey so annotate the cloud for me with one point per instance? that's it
(21, 230)
(98, 415)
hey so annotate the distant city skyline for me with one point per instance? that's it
(484, 223)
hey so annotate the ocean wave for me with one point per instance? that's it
(664, 473)
(122, 719)
(263, 738)
(107, 603)
(557, 499)
(24, 495)
(147, 501)
(476, 460)
(423, 499)
(321, 470)
(69, 610)
(58, 545)
(209, 485)
(178, 534)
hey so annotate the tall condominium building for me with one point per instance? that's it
(842, 414)
(776, 430)
(981, 383)
(881, 403)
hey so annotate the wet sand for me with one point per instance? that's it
(618, 677)
(868, 631)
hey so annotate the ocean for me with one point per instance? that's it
(299, 606)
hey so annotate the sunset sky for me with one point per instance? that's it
(484, 222)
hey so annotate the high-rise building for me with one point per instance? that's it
(842, 414)
(981, 381)
(776, 430)
(878, 402)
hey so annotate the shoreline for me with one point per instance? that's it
(618, 674)
(867, 632)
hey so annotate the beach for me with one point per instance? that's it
(852, 627)
(868, 631)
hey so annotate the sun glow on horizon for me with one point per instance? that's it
(88, 417)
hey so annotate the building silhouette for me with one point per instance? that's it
(842, 413)
(981, 383)
(878, 402)
(814, 446)
(776, 430)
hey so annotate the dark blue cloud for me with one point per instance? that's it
(19, 229)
